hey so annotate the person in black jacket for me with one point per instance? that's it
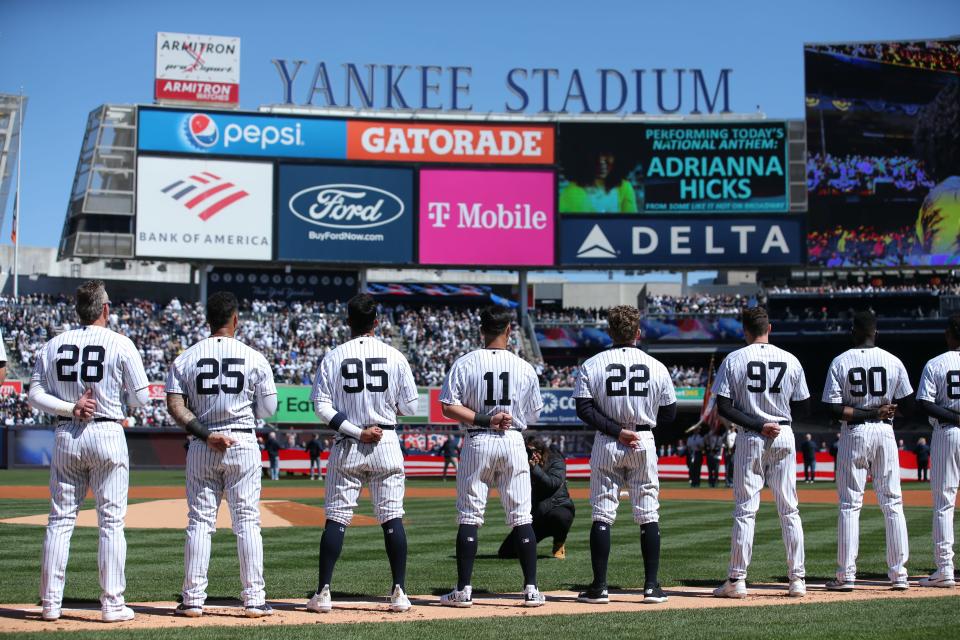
(923, 459)
(809, 450)
(273, 451)
(553, 510)
(314, 449)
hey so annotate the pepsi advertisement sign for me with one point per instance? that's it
(559, 407)
(645, 241)
(345, 214)
(207, 132)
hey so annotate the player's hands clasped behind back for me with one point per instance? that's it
(629, 438)
(220, 442)
(770, 430)
(371, 435)
(502, 421)
(85, 406)
(887, 411)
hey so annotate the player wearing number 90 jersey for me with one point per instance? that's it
(624, 394)
(760, 388)
(360, 388)
(864, 386)
(216, 390)
(80, 376)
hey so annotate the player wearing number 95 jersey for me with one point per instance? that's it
(863, 389)
(360, 388)
(80, 376)
(760, 388)
(216, 390)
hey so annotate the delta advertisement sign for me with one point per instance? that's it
(197, 68)
(492, 218)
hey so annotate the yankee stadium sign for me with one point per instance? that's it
(541, 89)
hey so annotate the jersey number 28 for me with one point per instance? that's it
(90, 359)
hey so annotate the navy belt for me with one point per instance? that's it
(232, 430)
(643, 427)
(90, 421)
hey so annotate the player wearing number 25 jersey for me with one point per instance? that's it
(863, 388)
(80, 376)
(760, 388)
(360, 388)
(494, 395)
(215, 390)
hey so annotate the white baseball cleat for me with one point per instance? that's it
(939, 578)
(900, 584)
(731, 589)
(188, 610)
(798, 588)
(399, 600)
(50, 613)
(258, 610)
(321, 601)
(126, 613)
(532, 596)
(458, 598)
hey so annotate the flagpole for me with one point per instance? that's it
(16, 204)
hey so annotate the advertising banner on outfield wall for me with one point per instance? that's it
(278, 284)
(204, 209)
(197, 68)
(214, 132)
(609, 168)
(490, 218)
(450, 142)
(559, 407)
(647, 241)
(345, 214)
(294, 407)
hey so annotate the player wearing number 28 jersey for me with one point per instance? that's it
(864, 387)
(760, 388)
(80, 376)
(215, 390)
(360, 389)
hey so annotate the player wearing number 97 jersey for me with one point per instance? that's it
(864, 387)
(360, 388)
(624, 394)
(80, 376)
(216, 390)
(761, 388)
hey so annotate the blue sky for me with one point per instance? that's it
(72, 56)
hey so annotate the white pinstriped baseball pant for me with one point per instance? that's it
(211, 475)
(90, 455)
(756, 457)
(870, 448)
(613, 465)
(380, 465)
(494, 459)
(944, 478)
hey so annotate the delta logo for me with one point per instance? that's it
(202, 131)
(205, 193)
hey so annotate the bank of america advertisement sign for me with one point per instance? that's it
(212, 132)
(345, 214)
(197, 68)
(204, 209)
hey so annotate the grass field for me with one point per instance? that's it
(695, 551)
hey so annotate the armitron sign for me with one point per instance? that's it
(199, 69)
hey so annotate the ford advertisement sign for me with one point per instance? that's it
(345, 214)
(235, 134)
(559, 407)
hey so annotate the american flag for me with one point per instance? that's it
(205, 192)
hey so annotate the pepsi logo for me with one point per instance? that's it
(202, 131)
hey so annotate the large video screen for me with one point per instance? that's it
(883, 163)
(733, 167)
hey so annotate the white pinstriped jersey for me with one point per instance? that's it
(222, 379)
(365, 379)
(91, 357)
(866, 378)
(628, 385)
(489, 381)
(761, 380)
(940, 382)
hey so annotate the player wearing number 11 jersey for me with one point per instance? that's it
(215, 390)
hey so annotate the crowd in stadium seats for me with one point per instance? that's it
(15, 410)
(835, 175)
(910, 54)
(862, 246)
(566, 375)
(656, 305)
(937, 286)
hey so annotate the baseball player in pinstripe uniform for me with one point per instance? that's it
(761, 388)
(3, 360)
(494, 395)
(624, 394)
(359, 390)
(863, 389)
(216, 390)
(80, 376)
(938, 396)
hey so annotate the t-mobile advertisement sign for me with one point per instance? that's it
(486, 218)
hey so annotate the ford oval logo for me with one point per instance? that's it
(346, 206)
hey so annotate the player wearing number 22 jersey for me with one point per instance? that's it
(760, 388)
(864, 386)
(216, 390)
(360, 389)
(80, 376)
(494, 395)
